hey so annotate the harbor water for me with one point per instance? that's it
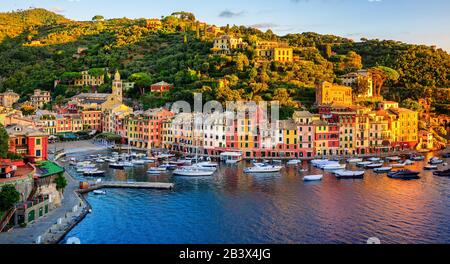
(233, 207)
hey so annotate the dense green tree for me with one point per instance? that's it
(9, 196)
(61, 182)
(4, 142)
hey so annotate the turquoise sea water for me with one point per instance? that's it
(233, 207)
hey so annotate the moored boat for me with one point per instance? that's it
(382, 169)
(294, 162)
(431, 167)
(434, 161)
(354, 160)
(99, 192)
(192, 172)
(404, 175)
(263, 168)
(94, 173)
(444, 173)
(349, 174)
(373, 159)
(157, 170)
(393, 158)
(374, 165)
(398, 165)
(363, 163)
(116, 166)
(334, 167)
(313, 178)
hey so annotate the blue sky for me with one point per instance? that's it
(412, 21)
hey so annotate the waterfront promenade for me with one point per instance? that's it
(41, 227)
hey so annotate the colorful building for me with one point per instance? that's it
(89, 80)
(160, 87)
(332, 94)
(40, 98)
(8, 98)
(28, 142)
(274, 51)
(226, 44)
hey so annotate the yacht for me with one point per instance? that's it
(263, 168)
(200, 167)
(313, 178)
(349, 174)
(382, 169)
(354, 160)
(192, 172)
(404, 174)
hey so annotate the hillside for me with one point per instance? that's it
(41, 47)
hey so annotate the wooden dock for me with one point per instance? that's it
(129, 185)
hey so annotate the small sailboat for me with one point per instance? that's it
(313, 178)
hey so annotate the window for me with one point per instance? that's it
(38, 141)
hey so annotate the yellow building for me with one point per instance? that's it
(8, 98)
(226, 44)
(89, 80)
(405, 126)
(274, 51)
(329, 93)
(380, 134)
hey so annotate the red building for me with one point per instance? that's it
(28, 142)
(161, 87)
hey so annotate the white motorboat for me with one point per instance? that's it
(127, 164)
(363, 163)
(157, 170)
(313, 178)
(148, 160)
(208, 164)
(263, 168)
(200, 167)
(431, 167)
(99, 192)
(318, 162)
(374, 159)
(374, 165)
(100, 160)
(382, 169)
(417, 158)
(398, 165)
(191, 172)
(111, 160)
(354, 160)
(329, 163)
(394, 158)
(409, 162)
(138, 162)
(435, 161)
(303, 170)
(94, 173)
(333, 167)
(294, 162)
(348, 173)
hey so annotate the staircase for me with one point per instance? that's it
(6, 218)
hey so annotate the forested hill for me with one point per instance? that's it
(37, 47)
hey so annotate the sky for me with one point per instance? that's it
(412, 21)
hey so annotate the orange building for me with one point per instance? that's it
(28, 142)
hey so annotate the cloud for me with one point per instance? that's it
(230, 14)
(264, 25)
